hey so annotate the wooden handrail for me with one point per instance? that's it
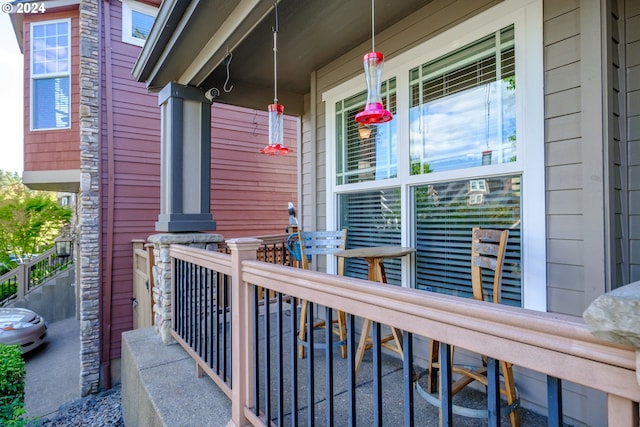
(556, 345)
(553, 344)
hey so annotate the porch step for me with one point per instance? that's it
(160, 387)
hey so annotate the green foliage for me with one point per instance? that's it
(415, 168)
(12, 375)
(30, 220)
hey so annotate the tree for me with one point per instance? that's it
(30, 220)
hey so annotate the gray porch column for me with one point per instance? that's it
(185, 160)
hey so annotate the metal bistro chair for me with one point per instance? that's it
(302, 246)
(488, 248)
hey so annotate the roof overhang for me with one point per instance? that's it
(190, 41)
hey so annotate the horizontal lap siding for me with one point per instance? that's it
(564, 158)
(632, 26)
(136, 174)
(250, 190)
(52, 149)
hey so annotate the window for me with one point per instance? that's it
(373, 218)
(137, 19)
(371, 155)
(463, 107)
(444, 215)
(51, 75)
(449, 160)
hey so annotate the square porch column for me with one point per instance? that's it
(185, 160)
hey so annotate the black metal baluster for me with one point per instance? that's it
(493, 392)
(446, 412)
(310, 366)
(407, 382)
(328, 333)
(351, 369)
(206, 285)
(267, 355)
(377, 374)
(554, 401)
(280, 358)
(199, 312)
(228, 350)
(226, 337)
(294, 362)
(218, 309)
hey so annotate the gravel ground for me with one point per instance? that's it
(98, 410)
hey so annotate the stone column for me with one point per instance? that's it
(162, 273)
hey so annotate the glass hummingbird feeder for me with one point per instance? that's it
(276, 110)
(374, 112)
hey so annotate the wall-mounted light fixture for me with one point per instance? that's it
(364, 131)
(64, 246)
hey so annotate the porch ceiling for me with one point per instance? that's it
(190, 40)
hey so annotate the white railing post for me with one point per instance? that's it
(242, 317)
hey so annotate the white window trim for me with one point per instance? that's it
(127, 7)
(32, 85)
(528, 19)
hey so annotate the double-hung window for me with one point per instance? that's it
(464, 149)
(51, 75)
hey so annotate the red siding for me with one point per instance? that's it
(249, 190)
(52, 149)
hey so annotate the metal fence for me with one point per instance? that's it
(30, 275)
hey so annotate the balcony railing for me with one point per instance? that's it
(245, 341)
(30, 275)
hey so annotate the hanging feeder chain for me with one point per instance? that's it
(373, 32)
(275, 56)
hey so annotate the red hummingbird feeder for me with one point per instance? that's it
(374, 112)
(276, 110)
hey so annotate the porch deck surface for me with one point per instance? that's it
(160, 388)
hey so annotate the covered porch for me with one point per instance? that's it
(548, 167)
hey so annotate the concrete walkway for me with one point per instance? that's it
(53, 370)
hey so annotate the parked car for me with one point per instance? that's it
(22, 326)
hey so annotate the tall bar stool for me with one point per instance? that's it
(303, 245)
(488, 248)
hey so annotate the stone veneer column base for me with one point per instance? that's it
(162, 273)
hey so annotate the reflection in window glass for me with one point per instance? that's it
(141, 24)
(50, 73)
(462, 111)
(51, 103)
(372, 218)
(365, 153)
(445, 213)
